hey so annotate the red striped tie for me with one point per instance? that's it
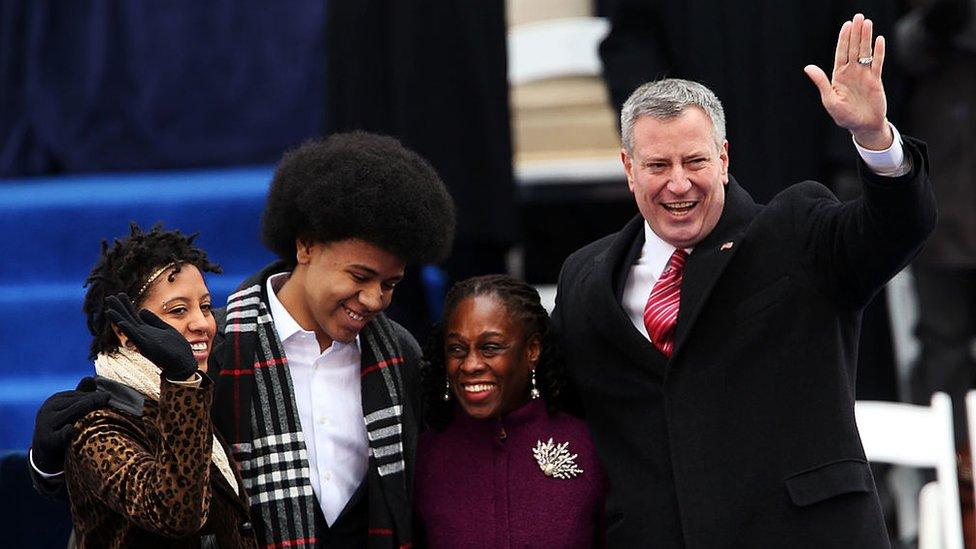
(661, 311)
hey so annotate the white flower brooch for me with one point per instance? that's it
(555, 460)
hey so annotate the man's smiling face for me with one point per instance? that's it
(337, 287)
(678, 174)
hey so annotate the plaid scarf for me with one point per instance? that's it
(263, 427)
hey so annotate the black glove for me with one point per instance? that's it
(54, 427)
(156, 340)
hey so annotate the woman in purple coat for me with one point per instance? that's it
(500, 466)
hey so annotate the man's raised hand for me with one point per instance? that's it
(854, 96)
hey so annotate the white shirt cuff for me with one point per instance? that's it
(30, 457)
(890, 162)
(194, 381)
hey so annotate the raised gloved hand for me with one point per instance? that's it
(54, 426)
(156, 340)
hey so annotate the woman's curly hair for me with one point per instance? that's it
(125, 266)
(522, 302)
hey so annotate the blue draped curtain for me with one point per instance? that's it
(101, 85)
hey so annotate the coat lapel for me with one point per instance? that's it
(708, 260)
(605, 314)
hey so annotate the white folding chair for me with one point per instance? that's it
(918, 436)
(971, 429)
(971, 421)
(929, 523)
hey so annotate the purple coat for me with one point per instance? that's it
(478, 484)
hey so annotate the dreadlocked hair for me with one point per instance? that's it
(126, 266)
(523, 303)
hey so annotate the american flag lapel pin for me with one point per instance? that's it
(727, 246)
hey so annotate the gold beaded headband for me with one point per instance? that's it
(153, 277)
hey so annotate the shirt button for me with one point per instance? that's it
(323, 420)
(327, 475)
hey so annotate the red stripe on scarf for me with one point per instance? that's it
(380, 365)
(380, 532)
(246, 372)
(250, 371)
(291, 542)
(272, 362)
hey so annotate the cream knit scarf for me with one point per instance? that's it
(132, 369)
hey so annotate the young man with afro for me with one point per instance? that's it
(317, 391)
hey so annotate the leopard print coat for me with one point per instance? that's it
(146, 479)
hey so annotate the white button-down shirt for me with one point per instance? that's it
(329, 398)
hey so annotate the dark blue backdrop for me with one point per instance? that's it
(112, 86)
(52, 229)
(93, 85)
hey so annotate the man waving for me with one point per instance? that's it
(713, 340)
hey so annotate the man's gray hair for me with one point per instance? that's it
(666, 99)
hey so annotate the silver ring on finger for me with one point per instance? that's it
(865, 60)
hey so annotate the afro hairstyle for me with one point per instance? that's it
(125, 266)
(359, 185)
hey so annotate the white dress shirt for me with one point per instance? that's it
(329, 398)
(653, 259)
(656, 253)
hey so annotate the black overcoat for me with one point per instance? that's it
(746, 436)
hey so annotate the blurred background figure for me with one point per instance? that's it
(937, 46)
(432, 74)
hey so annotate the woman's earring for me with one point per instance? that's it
(129, 345)
(534, 393)
(447, 390)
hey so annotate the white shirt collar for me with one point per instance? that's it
(655, 253)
